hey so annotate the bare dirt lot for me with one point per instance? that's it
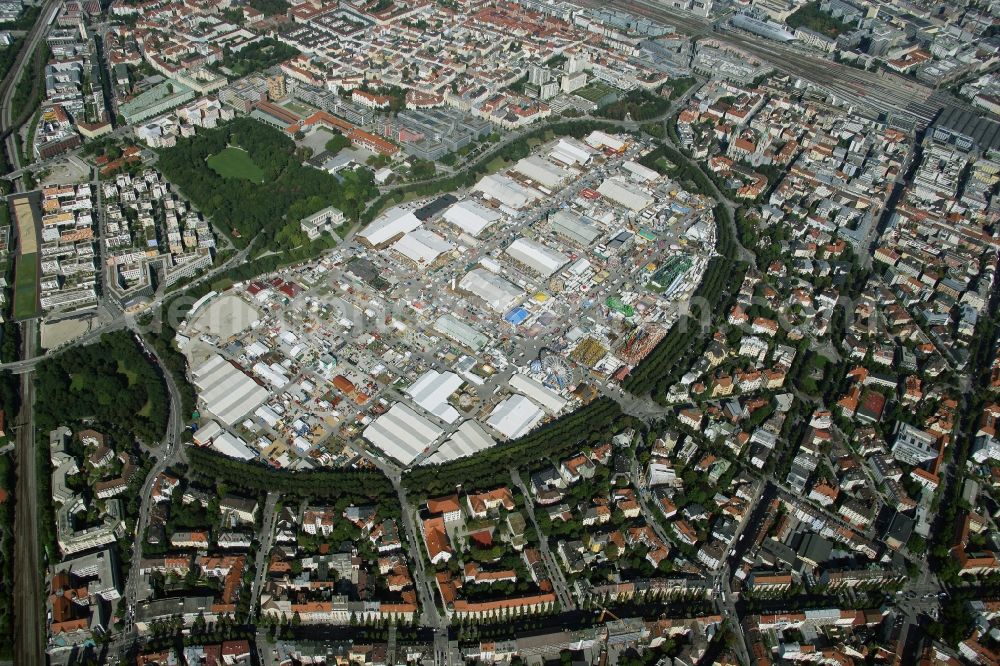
(61, 332)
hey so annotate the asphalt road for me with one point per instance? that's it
(891, 92)
(171, 452)
(9, 83)
(122, 320)
(430, 617)
(555, 571)
(265, 542)
(429, 614)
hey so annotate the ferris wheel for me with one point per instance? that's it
(557, 372)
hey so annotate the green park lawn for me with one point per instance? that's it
(594, 92)
(26, 287)
(236, 163)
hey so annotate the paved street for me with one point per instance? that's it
(171, 452)
(122, 319)
(429, 613)
(265, 541)
(9, 84)
(723, 579)
(559, 584)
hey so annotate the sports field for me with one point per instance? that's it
(24, 216)
(26, 286)
(235, 163)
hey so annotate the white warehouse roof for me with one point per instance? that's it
(460, 332)
(538, 257)
(550, 401)
(402, 433)
(515, 416)
(599, 139)
(273, 374)
(471, 217)
(255, 349)
(580, 230)
(640, 172)
(498, 293)
(205, 434)
(226, 391)
(622, 193)
(422, 246)
(431, 392)
(572, 151)
(233, 446)
(468, 439)
(388, 225)
(267, 415)
(506, 190)
(543, 172)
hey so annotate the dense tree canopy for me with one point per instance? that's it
(271, 210)
(110, 383)
(270, 7)
(259, 55)
(588, 426)
(337, 143)
(331, 485)
(687, 338)
(637, 104)
(10, 396)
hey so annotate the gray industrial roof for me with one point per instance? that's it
(982, 131)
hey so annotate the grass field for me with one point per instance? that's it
(594, 91)
(236, 163)
(300, 109)
(665, 166)
(26, 287)
(222, 285)
(131, 374)
(496, 164)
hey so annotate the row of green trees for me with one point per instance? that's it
(31, 85)
(9, 53)
(952, 506)
(332, 485)
(7, 481)
(593, 424)
(10, 398)
(162, 334)
(590, 425)
(512, 151)
(722, 279)
(174, 362)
